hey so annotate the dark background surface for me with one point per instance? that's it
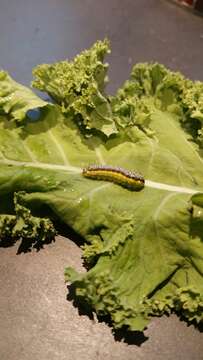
(36, 320)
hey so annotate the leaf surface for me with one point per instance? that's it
(144, 249)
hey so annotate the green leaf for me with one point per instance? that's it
(78, 87)
(144, 250)
(31, 230)
(16, 99)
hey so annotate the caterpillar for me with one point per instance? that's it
(123, 177)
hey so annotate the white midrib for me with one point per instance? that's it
(78, 170)
(41, 165)
(171, 188)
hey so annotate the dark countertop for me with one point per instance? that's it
(37, 322)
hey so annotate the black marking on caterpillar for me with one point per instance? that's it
(117, 175)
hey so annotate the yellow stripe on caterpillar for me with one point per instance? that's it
(123, 177)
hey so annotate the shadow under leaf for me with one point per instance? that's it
(82, 306)
(122, 335)
(130, 337)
